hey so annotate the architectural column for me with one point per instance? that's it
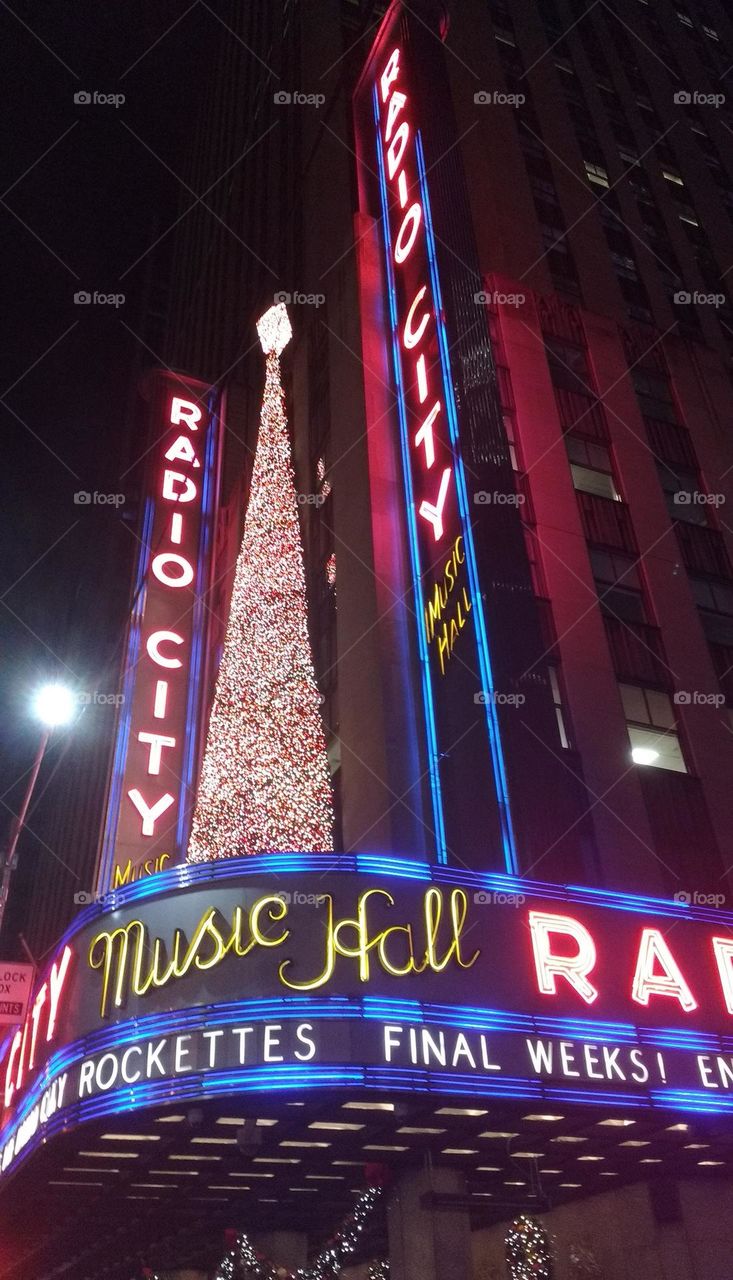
(428, 1225)
(285, 1248)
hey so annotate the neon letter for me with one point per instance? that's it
(14, 1051)
(407, 233)
(550, 967)
(150, 813)
(59, 971)
(425, 434)
(653, 951)
(156, 741)
(396, 103)
(723, 948)
(185, 411)
(38, 1004)
(185, 494)
(435, 513)
(396, 149)
(153, 648)
(390, 73)
(182, 450)
(411, 336)
(159, 567)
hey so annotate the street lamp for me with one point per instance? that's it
(54, 705)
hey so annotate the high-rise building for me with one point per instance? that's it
(503, 235)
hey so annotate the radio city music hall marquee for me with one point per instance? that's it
(374, 973)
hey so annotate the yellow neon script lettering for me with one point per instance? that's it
(131, 960)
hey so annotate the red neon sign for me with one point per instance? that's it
(147, 822)
(430, 439)
(39, 1028)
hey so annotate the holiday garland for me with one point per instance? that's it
(528, 1252)
(243, 1262)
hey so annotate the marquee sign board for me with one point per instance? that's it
(156, 755)
(289, 971)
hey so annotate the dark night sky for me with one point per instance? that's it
(73, 219)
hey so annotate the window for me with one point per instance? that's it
(591, 467)
(651, 727)
(619, 586)
(568, 366)
(681, 489)
(557, 699)
(654, 394)
(596, 173)
(709, 594)
(673, 177)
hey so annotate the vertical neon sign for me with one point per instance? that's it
(452, 636)
(151, 791)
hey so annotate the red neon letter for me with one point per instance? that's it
(723, 948)
(153, 648)
(653, 950)
(185, 411)
(59, 971)
(390, 73)
(425, 434)
(435, 513)
(38, 1004)
(407, 233)
(182, 450)
(411, 336)
(156, 741)
(150, 813)
(396, 149)
(14, 1051)
(187, 491)
(550, 967)
(396, 103)
(163, 575)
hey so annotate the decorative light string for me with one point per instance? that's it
(244, 1262)
(528, 1250)
(265, 782)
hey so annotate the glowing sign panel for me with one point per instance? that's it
(408, 979)
(152, 786)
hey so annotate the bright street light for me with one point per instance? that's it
(55, 705)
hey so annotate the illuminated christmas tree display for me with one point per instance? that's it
(265, 782)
